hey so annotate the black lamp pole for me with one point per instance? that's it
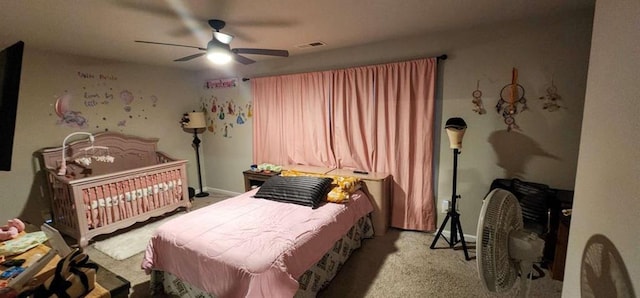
(196, 144)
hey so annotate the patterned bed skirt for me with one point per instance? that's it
(312, 281)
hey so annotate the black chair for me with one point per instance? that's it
(537, 201)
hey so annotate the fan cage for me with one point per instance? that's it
(502, 214)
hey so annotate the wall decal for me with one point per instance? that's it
(220, 83)
(93, 98)
(224, 114)
(66, 116)
(214, 104)
(231, 107)
(212, 127)
(210, 109)
(221, 113)
(249, 106)
(240, 119)
(227, 130)
(154, 100)
(127, 99)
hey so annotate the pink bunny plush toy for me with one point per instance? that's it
(11, 230)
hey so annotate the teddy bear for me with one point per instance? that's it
(12, 229)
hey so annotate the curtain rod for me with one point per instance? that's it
(441, 57)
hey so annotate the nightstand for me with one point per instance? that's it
(255, 179)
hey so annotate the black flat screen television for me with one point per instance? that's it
(10, 68)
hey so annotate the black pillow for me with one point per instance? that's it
(301, 190)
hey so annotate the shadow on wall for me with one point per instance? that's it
(37, 207)
(603, 272)
(514, 150)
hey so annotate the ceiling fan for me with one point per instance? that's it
(218, 49)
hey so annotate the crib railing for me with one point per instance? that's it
(87, 207)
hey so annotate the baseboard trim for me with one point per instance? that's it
(222, 191)
(467, 237)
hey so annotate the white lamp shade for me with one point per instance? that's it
(196, 120)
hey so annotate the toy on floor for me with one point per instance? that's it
(12, 229)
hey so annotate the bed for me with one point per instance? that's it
(253, 247)
(137, 184)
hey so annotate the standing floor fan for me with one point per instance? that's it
(504, 249)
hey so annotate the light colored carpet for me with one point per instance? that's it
(398, 264)
(125, 245)
(401, 264)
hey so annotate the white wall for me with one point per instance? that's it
(545, 151)
(46, 76)
(228, 143)
(607, 197)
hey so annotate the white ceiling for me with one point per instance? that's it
(107, 29)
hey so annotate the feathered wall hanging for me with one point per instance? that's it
(510, 96)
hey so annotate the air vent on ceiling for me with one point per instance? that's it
(312, 44)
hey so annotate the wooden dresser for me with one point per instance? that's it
(378, 187)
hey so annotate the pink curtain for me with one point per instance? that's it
(291, 122)
(382, 118)
(405, 94)
(353, 117)
(381, 121)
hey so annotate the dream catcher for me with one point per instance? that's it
(551, 100)
(477, 100)
(510, 96)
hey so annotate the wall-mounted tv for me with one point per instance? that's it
(10, 68)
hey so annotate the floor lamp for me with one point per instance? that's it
(195, 121)
(455, 128)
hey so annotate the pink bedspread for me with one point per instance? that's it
(246, 247)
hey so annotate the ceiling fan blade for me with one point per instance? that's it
(280, 53)
(186, 32)
(263, 23)
(187, 58)
(242, 59)
(170, 44)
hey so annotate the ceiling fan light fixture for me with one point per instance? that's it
(219, 56)
(218, 53)
(222, 37)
